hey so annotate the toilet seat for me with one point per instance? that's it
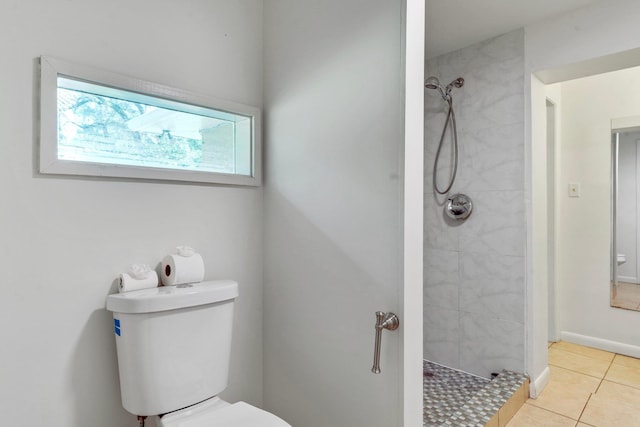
(217, 413)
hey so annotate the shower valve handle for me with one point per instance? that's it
(383, 321)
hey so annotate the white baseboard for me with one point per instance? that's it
(538, 384)
(602, 344)
(628, 279)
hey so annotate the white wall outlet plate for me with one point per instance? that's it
(574, 189)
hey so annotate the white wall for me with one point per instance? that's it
(64, 240)
(588, 105)
(334, 135)
(603, 28)
(542, 211)
(553, 95)
(537, 362)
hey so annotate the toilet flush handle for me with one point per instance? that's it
(383, 321)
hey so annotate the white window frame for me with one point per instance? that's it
(52, 68)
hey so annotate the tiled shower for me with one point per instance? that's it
(474, 270)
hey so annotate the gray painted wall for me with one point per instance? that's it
(334, 136)
(64, 240)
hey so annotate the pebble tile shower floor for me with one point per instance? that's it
(457, 399)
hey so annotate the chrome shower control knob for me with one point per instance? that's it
(458, 207)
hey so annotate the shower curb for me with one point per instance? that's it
(486, 404)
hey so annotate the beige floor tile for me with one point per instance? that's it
(621, 393)
(583, 425)
(627, 361)
(594, 353)
(567, 392)
(624, 375)
(604, 411)
(577, 362)
(531, 416)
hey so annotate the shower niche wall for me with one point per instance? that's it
(474, 270)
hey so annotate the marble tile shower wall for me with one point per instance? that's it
(474, 271)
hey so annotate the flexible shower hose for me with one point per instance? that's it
(449, 122)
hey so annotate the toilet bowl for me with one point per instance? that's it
(174, 348)
(215, 412)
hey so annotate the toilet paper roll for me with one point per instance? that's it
(177, 269)
(128, 283)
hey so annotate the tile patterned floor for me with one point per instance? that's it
(446, 391)
(588, 388)
(458, 399)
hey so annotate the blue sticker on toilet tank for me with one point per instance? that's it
(116, 326)
(117, 331)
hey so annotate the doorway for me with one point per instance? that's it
(578, 212)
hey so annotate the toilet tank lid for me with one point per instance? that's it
(173, 297)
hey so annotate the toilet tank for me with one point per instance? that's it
(173, 344)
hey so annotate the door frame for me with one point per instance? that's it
(411, 400)
(552, 134)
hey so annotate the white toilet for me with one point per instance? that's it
(174, 344)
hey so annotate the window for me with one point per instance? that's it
(99, 123)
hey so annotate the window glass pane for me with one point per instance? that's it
(100, 124)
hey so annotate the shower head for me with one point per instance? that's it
(432, 83)
(459, 82)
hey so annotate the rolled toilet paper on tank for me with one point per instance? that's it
(177, 269)
(129, 283)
